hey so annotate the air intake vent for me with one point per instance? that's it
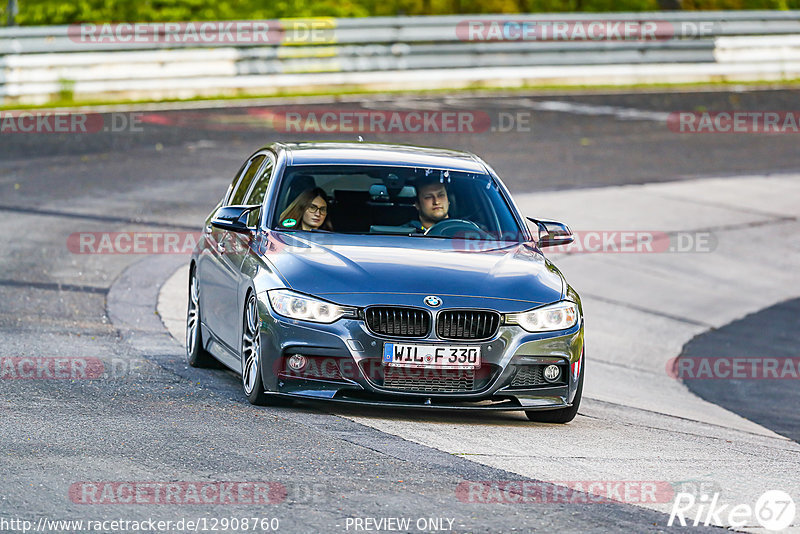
(528, 375)
(533, 375)
(400, 322)
(432, 381)
(467, 324)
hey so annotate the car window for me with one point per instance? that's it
(382, 200)
(257, 192)
(235, 181)
(244, 184)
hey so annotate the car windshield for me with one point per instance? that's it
(381, 200)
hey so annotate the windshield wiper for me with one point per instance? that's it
(377, 233)
(430, 236)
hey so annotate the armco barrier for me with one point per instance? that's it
(114, 61)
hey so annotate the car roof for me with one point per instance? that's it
(332, 153)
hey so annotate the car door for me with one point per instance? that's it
(255, 197)
(240, 246)
(220, 271)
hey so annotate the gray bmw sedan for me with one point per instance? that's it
(384, 275)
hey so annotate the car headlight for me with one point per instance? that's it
(296, 306)
(558, 316)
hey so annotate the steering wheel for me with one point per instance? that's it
(451, 227)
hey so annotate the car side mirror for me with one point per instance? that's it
(233, 218)
(552, 233)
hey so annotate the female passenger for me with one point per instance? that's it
(309, 211)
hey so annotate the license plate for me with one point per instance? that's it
(438, 356)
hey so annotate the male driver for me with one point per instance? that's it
(432, 204)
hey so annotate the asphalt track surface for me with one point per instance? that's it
(150, 418)
(773, 332)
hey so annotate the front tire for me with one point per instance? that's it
(252, 384)
(562, 415)
(196, 355)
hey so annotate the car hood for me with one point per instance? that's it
(351, 269)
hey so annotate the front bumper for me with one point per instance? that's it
(345, 366)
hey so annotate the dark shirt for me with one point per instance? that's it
(417, 226)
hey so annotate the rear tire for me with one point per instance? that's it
(561, 415)
(196, 355)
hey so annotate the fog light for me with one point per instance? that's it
(551, 373)
(297, 362)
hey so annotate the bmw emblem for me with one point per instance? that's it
(432, 301)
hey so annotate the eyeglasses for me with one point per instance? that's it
(314, 209)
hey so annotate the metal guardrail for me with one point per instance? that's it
(38, 62)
